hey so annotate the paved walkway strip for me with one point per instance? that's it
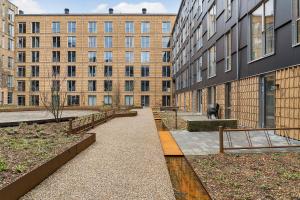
(125, 163)
(169, 145)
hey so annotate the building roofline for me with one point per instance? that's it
(177, 16)
(100, 14)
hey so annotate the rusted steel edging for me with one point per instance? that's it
(27, 182)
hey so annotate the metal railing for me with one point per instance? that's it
(266, 132)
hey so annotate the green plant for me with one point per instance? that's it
(291, 175)
(3, 165)
(20, 168)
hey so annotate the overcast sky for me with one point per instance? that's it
(97, 6)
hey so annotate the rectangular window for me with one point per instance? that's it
(262, 30)
(71, 56)
(55, 85)
(166, 27)
(211, 21)
(35, 86)
(107, 99)
(129, 27)
(92, 71)
(71, 86)
(145, 86)
(73, 100)
(55, 27)
(92, 56)
(145, 27)
(35, 71)
(129, 42)
(228, 9)
(10, 45)
(129, 56)
(92, 85)
(108, 71)
(34, 100)
(145, 100)
(71, 71)
(21, 42)
(21, 57)
(166, 99)
(9, 98)
(55, 56)
(108, 27)
(145, 42)
(199, 38)
(129, 86)
(35, 56)
(35, 27)
(107, 42)
(56, 42)
(108, 56)
(10, 62)
(128, 100)
(198, 69)
(35, 42)
(21, 71)
(228, 51)
(296, 22)
(166, 71)
(166, 86)
(92, 42)
(11, 30)
(144, 71)
(107, 85)
(55, 71)
(71, 27)
(22, 27)
(92, 27)
(145, 56)
(71, 41)
(129, 71)
(92, 100)
(21, 86)
(166, 43)
(211, 62)
(21, 100)
(166, 56)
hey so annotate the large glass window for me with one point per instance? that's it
(199, 38)
(92, 100)
(71, 27)
(35, 56)
(108, 56)
(21, 42)
(129, 71)
(262, 30)
(129, 42)
(35, 27)
(145, 27)
(211, 21)
(55, 56)
(199, 68)
(71, 41)
(128, 100)
(228, 51)
(107, 99)
(92, 42)
(166, 27)
(145, 86)
(108, 27)
(129, 85)
(228, 8)
(108, 71)
(92, 85)
(56, 42)
(145, 56)
(22, 27)
(129, 56)
(73, 100)
(296, 22)
(166, 86)
(107, 85)
(71, 71)
(107, 42)
(21, 72)
(92, 71)
(129, 27)
(144, 71)
(166, 71)
(55, 27)
(71, 86)
(35, 86)
(166, 56)
(212, 62)
(92, 27)
(166, 42)
(145, 42)
(92, 56)
(71, 56)
(35, 71)
(35, 42)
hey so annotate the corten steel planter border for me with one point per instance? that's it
(25, 183)
(30, 122)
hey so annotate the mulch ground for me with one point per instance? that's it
(25, 147)
(261, 176)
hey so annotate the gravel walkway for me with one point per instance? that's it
(126, 162)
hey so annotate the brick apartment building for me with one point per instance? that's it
(93, 59)
(243, 55)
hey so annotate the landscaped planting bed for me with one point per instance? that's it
(26, 147)
(268, 176)
(169, 119)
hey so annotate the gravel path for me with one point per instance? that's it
(126, 162)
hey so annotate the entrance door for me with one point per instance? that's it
(199, 101)
(267, 101)
(227, 100)
(145, 101)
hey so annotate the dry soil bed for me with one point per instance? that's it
(265, 176)
(25, 147)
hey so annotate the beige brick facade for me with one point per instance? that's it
(82, 63)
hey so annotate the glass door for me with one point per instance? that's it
(227, 100)
(267, 101)
(199, 100)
